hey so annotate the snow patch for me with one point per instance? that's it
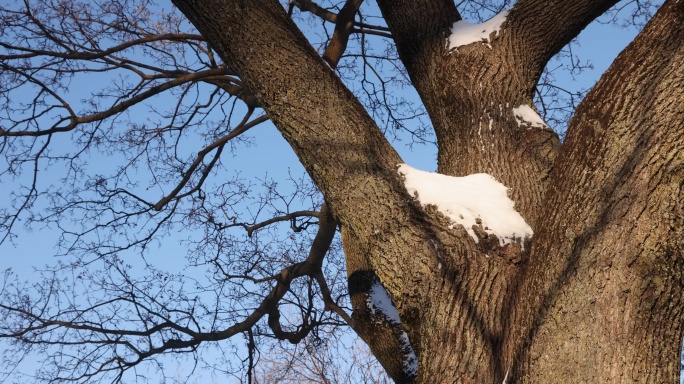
(464, 33)
(410, 362)
(526, 116)
(468, 200)
(380, 302)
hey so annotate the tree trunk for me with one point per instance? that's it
(601, 298)
(595, 295)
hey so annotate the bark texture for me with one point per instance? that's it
(470, 92)
(599, 297)
(602, 295)
(337, 141)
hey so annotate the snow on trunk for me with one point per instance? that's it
(464, 33)
(469, 200)
(526, 116)
(380, 304)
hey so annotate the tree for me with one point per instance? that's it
(594, 295)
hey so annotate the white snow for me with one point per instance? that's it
(464, 33)
(525, 115)
(466, 199)
(410, 358)
(379, 301)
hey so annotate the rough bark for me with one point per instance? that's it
(335, 139)
(602, 295)
(454, 296)
(470, 93)
(381, 335)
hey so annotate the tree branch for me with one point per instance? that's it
(75, 120)
(542, 28)
(419, 36)
(218, 145)
(344, 26)
(364, 160)
(26, 319)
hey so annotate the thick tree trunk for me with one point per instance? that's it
(342, 149)
(606, 273)
(605, 268)
(470, 95)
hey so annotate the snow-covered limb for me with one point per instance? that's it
(469, 200)
(464, 33)
(410, 358)
(525, 115)
(380, 304)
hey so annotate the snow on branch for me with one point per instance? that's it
(380, 304)
(526, 116)
(470, 200)
(464, 33)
